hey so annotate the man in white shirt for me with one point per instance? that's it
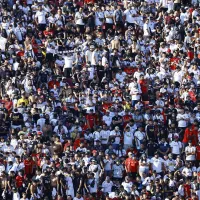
(170, 163)
(20, 32)
(127, 184)
(104, 135)
(176, 146)
(130, 15)
(107, 119)
(139, 137)
(146, 29)
(41, 121)
(120, 76)
(99, 17)
(128, 138)
(178, 76)
(107, 185)
(157, 163)
(115, 137)
(182, 119)
(69, 59)
(40, 18)
(109, 17)
(79, 19)
(190, 152)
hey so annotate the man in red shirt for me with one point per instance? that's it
(7, 103)
(144, 87)
(106, 105)
(19, 182)
(29, 166)
(91, 119)
(131, 165)
(174, 61)
(191, 133)
(187, 188)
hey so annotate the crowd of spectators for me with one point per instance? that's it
(99, 99)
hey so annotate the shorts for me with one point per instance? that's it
(41, 27)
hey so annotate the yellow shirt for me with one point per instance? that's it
(20, 101)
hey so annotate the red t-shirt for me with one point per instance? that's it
(175, 61)
(131, 165)
(106, 106)
(28, 169)
(126, 119)
(91, 118)
(8, 105)
(76, 143)
(143, 85)
(190, 55)
(19, 181)
(192, 96)
(187, 190)
(190, 135)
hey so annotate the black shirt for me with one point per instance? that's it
(151, 149)
(17, 119)
(150, 131)
(117, 118)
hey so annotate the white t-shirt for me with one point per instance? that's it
(128, 137)
(187, 171)
(118, 171)
(79, 18)
(128, 13)
(68, 61)
(40, 15)
(107, 120)
(98, 17)
(121, 77)
(104, 134)
(190, 150)
(182, 120)
(88, 54)
(94, 58)
(135, 94)
(91, 71)
(107, 187)
(178, 76)
(157, 164)
(108, 13)
(127, 186)
(146, 29)
(117, 138)
(170, 164)
(176, 146)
